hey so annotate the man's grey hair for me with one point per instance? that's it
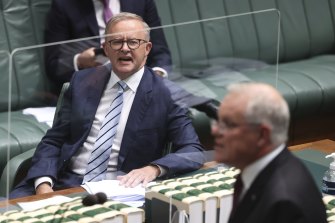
(122, 16)
(263, 109)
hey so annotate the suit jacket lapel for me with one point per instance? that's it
(93, 91)
(140, 106)
(253, 195)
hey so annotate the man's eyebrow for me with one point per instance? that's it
(116, 37)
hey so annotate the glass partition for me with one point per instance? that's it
(4, 115)
(221, 50)
(207, 55)
(210, 53)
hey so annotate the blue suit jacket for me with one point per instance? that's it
(73, 19)
(154, 120)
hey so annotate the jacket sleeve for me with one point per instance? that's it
(187, 152)
(46, 159)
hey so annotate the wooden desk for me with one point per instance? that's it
(66, 191)
(42, 196)
(326, 145)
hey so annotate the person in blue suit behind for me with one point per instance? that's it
(149, 120)
(74, 19)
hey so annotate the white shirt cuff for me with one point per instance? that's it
(75, 65)
(165, 74)
(40, 180)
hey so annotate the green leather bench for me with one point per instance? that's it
(22, 25)
(17, 167)
(201, 53)
(306, 71)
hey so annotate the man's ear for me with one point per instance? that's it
(148, 48)
(264, 136)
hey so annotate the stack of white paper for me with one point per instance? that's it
(132, 196)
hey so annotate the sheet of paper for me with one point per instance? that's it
(112, 188)
(44, 114)
(33, 205)
(134, 196)
(136, 204)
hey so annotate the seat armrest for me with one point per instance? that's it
(14, 171)
(60, 100)
(17, 167)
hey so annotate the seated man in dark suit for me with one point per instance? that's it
(274, 186)
(120, 114)
(73, 19)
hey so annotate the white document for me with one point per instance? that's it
(44, 114)
(33, 205)
(114, 191)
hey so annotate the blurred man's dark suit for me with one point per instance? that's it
(276, 195)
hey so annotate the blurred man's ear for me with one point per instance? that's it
(264, 136)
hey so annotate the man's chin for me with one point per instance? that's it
(124, 71)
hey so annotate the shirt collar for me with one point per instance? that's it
(250, 172)
(132, 82)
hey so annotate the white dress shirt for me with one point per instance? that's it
(79, 161)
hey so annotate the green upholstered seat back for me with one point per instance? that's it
(22, 25)
(306, 29)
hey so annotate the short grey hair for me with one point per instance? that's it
(264, 109)
(122, 16)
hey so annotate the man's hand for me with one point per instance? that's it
(44, 188)
(87, 59)
(138, 176)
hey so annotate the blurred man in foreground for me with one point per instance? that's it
(274, 186)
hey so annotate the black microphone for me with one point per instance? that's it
(92, 199)
(102, 197)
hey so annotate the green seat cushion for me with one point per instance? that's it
(25, 133)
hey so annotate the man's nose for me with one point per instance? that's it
(215, 131)
(124, 47)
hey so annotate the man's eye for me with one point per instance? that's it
(230, 124)
(132, 42)
(117, 42)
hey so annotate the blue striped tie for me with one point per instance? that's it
(98, 162)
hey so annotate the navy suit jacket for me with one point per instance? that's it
(283, 192)
(154, 120)
(73, 19)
